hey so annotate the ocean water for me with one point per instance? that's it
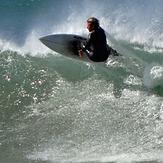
(54, 109)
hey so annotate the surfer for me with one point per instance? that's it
(96, 47)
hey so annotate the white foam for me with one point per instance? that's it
(31, 46)
(153, 75)
(7, 45)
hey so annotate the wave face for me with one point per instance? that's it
(55, 109)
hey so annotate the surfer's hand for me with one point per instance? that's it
(80, 53)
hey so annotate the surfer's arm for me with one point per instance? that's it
(86, 48)
(87, 52)
(89, 43)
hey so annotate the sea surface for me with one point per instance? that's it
(59, 110)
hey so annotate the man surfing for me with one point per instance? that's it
(96, 47)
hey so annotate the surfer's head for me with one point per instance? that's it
(92, 23)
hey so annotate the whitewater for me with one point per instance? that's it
(55, 109)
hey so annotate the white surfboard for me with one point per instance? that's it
(68, 45)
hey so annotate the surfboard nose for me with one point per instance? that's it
(45, 40)
(49, 41)
(41, 38)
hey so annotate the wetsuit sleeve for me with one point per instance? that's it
(89, 43)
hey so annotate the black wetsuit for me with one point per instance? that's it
(96, 48)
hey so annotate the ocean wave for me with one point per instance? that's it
(56, 109)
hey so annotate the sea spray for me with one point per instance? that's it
(153, 77)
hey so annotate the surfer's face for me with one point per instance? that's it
(90, 27)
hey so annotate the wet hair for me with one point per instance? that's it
(93, 22)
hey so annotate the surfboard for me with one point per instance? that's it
(69, 45)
